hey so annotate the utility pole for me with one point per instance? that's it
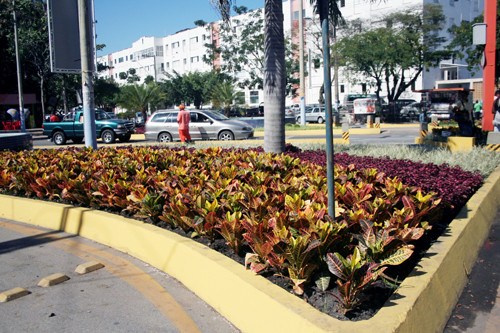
(301, 61)
(18, 67)
(87, 54)
(323, 16)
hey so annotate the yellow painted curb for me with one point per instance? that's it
(88, 267)
(454, 144)
(13, 294)
(423, 302)
(52, 280)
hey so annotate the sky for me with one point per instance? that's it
(122, 22)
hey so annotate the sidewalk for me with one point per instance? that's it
(478, 309)
(126, 295)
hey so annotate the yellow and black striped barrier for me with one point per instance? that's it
(345, 137)
(435, 123)
(493, 147)
(423, 133)
(377, 125)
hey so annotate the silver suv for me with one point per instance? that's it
(162, 126)
(315, 114)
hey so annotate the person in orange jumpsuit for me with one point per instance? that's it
(183, 119)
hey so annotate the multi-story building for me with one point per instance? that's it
(450, 73)
(183, 51)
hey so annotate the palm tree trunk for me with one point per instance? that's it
(274, 78)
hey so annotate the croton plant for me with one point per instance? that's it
(275, 205)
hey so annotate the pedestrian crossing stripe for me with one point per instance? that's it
(423, 133)
(493, 147)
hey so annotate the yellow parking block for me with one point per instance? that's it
(88, 267)
(12, 294)
(52, 280)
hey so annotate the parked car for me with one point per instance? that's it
(71, 127)
(204, 125)
(315, 114)
(139, 119)
(289, 112)
(411, 110)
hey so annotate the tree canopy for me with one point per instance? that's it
(401, 46)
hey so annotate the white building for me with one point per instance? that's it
(450, 73)
(183, 51)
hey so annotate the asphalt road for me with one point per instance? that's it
(393, 135)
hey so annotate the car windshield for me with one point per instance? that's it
(216, 115)
(101, 115)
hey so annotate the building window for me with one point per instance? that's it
(185, 61)
(342, 88)
(159, 51)
(295, 15)
(131, 56)
(120, 60)
(195, 59)
(115, 61)
(342, 3)
(452, 3)
(254, 97)
(363, 87)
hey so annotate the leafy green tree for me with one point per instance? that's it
(274, 68)
(224, 94)
(149, 79)
(400, 49)
(33, 43)
(106, 94)
(242, 51)
(140, 98)
(191, 88)
(462, 48)
(132, 76)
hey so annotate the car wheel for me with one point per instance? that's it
(297, 120)
(77, 139)
(320, 120)
(124, 138)
(226, 136)
(108, 136)
(164, 137)
(59, 138)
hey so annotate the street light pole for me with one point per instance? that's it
(18, 68)
(86, 53)
(323, 16)
(301, 62)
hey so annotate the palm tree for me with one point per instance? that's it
(226, 96)
(274, 67)
(141, 97)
